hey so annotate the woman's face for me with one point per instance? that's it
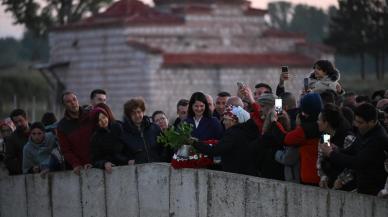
(319, 74)
(162, 121)
(103, 120)
(322, 124)
(37, 135)
(198, 108)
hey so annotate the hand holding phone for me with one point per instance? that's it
(284, 74)
(278, 106)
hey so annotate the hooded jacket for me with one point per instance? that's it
(330, 81)
(38, 154)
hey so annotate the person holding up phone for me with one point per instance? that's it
(284, 76)
(337, 133)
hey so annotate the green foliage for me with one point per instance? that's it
(39, 16)
(176, 138)
(10, 50)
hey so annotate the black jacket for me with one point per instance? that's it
(106, 146)
(14, 145)
(235, 148)
(142, 144)
(368, 163)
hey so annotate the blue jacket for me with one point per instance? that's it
(208, 128)
(142, 144)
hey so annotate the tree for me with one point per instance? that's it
(40, 15)
(347, 29)
(310, 20)
(280, 14)
(9, 55)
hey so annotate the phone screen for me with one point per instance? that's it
(284, 68)
(326, 138)
(278, 105)
(306, 83)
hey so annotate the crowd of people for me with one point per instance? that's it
(330, 138)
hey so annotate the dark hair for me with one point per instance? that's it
(264, 85)
(133, 104)
(326, 66)
(378, 93)
(199, 96)
(48, 118)
(107, 111)
(333, 115)
(157, 113)
(224, 94)
(349, 94)
(97, 91)
(367, 112)
(348, 114)
(328, 96)
(360, 99)
(38, 125)
(182, 102)
(65, 94)
(17, 112)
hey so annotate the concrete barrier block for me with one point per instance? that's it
(347, 204)
(357, 205)
(252, 197)
(13, 201)
(271, 196)
(380, 207)
(293, 200)
(226, 194)
(184, 193)
(93, 193)
(315, 202)
(202, 192)
(66, 195)
(153, 185)
(38, 196)
(122, 192)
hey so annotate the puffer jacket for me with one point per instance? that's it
(142, 143)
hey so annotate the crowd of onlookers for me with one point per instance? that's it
(325, 137)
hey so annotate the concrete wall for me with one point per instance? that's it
(153, 190)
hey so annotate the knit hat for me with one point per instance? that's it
(267, 99)
(311, 104)
(237, 113)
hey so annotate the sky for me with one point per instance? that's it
(8, 29)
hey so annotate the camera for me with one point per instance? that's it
(240, 85)
(284, 68)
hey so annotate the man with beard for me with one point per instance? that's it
(16, 141)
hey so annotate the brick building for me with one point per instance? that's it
(170, 50)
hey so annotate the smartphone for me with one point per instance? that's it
(278, 106)
(240, 85)
(326, 139)
(284, 68)
(306, 83)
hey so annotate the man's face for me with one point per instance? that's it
(98, 98)
(37, 135)
(210, 103)
(71, 103)
(182, 112)
(220, 104)
(362, 125)
(20, 122)
(137, 116)
(259, 91)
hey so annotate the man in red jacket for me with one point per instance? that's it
(74, 133)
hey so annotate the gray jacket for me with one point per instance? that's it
(38, 154)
